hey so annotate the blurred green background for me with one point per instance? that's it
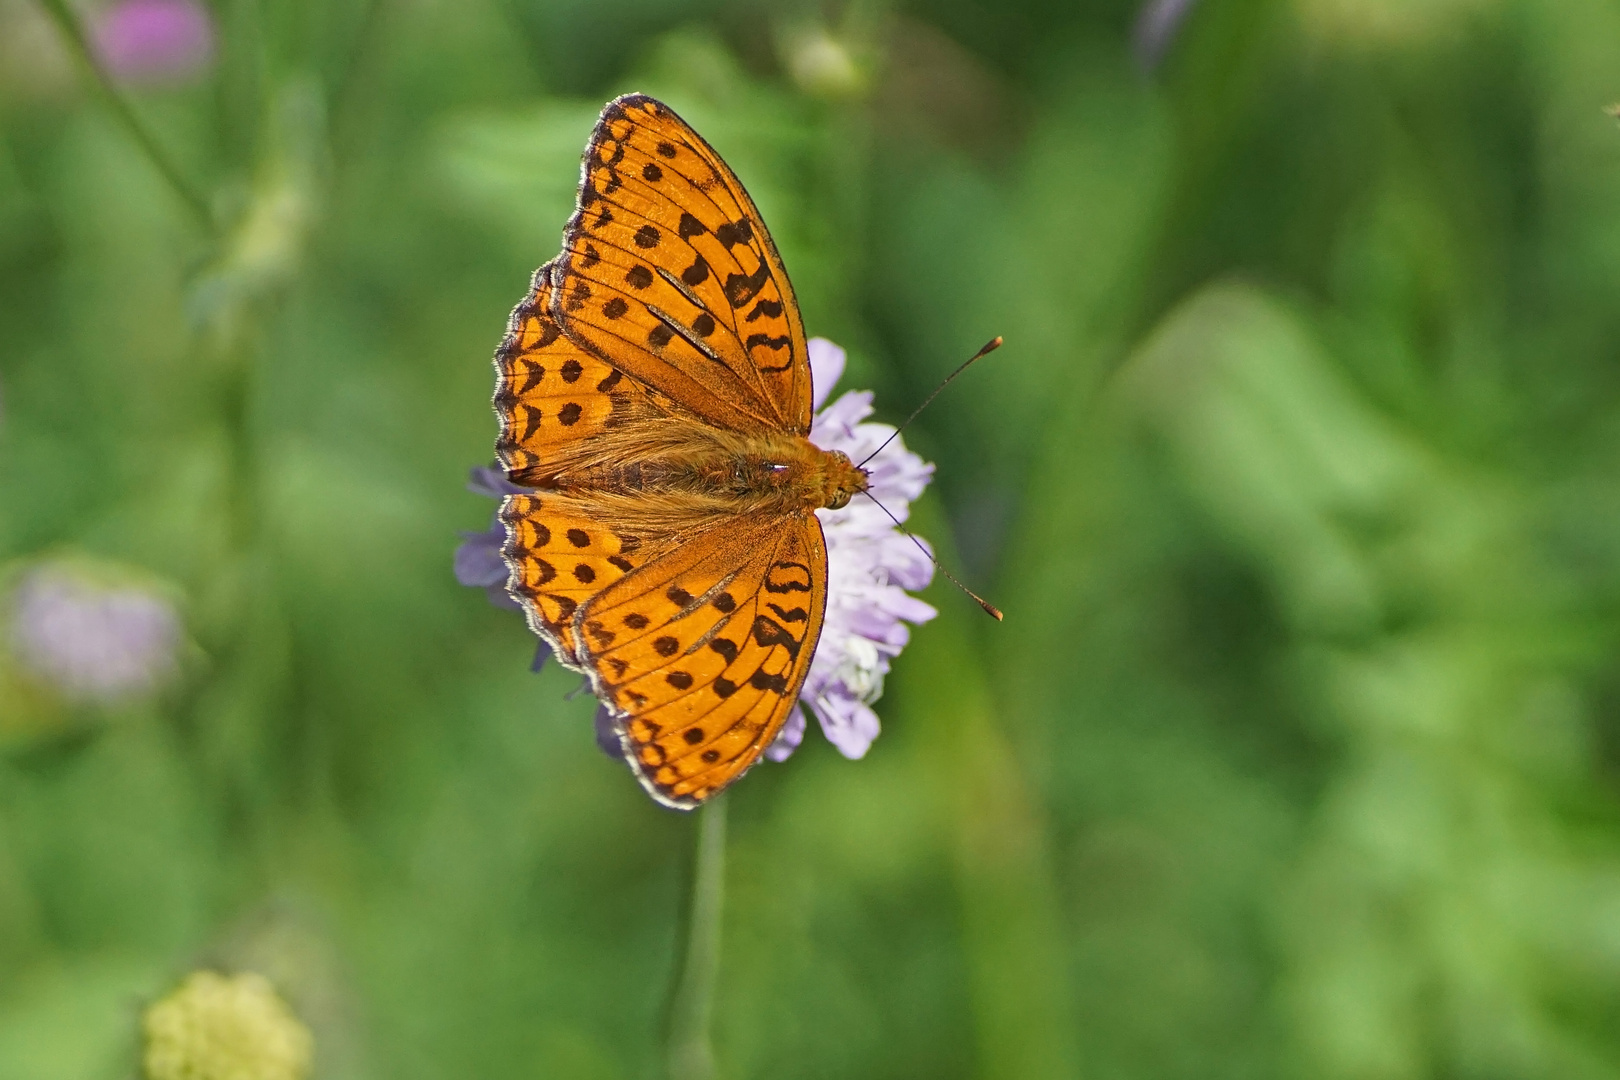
(1298, 477)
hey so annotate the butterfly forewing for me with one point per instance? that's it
(702, 652)
(550, 394)
(669, 273)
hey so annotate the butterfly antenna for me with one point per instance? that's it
(989, 608)
(989, 347)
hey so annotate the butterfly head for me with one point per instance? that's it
(842, 480)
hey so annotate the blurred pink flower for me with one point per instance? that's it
(155, 41)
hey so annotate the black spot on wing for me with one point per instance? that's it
(770, 633)
(531, 420)
(740, 288)
(733, 233)
(533, 373)
(690, 226)
(786, 577)
(761, 680)
(769, 309)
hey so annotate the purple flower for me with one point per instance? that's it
(479, 562)
(870, 565)
(155, 41)
(92, 643)
(607, 735)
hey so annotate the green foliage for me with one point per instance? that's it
(1295, 757)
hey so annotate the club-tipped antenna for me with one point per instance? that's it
(989, 347)
(989, 608)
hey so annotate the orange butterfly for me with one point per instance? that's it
(654, 391)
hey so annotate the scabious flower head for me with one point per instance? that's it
(155, 41)
(870, 565)
(217, 1027)
(92, 642)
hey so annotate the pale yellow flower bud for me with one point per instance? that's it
(217, 1027)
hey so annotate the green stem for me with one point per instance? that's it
(73, 31)
(691, 1054)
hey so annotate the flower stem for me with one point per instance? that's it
(691, 1054)
(68, 23)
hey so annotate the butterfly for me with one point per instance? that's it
(653, 393)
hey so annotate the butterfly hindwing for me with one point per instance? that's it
(668, 272)
(559, 556)
(701, 653)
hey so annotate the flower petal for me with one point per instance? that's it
(826, 368)
(849, 724)
(789, 738)
(606, 738)
(478, 558)
(488, 480)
